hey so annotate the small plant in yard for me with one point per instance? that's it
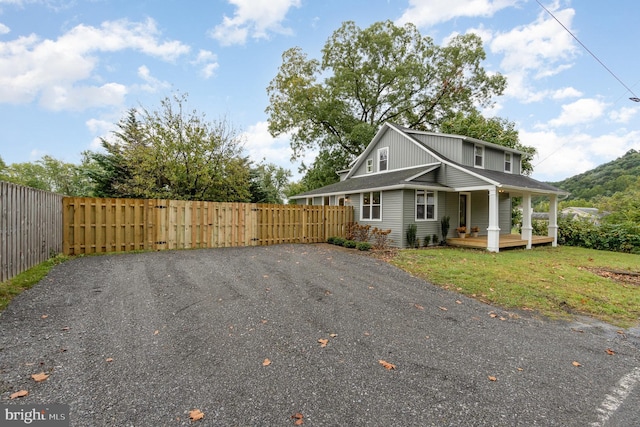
(339, 241)
(411, 235)
(363, 246)
(426, 241)
(331, 239)
(380, 239)
(434, 239)
(350, 244)
(444, 227)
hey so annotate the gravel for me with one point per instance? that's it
(142, 339)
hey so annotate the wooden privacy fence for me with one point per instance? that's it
(30, 228)
(93, 225)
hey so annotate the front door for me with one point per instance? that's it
(465, 210)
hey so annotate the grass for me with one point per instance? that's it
(12, 287)
(556, 282)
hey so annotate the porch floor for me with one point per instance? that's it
(506, 241)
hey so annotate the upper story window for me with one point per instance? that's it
(383, 159)
(478, 156)
(369, 165)
(371, 206)
(507, 162)
(425, 205)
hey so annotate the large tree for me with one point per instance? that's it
(173, 153)
(49, 174)
(369, 76)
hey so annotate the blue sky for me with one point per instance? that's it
(69, 69)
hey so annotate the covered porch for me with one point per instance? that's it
(505, 241)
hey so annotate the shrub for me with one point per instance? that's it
(339, 241)
(359, 233)
(350, 244)
(434, 239)
(609, 237)
(411, 235)
(331, 239)
(444, 227)
(427, 240)
(363, 246)
(380, 239)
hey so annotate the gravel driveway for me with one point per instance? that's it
(142, 339)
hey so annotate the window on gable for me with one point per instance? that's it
(369, 165)
(425, 205)
(478, 156)
(383, 159)
(371, 206)
(507, 162)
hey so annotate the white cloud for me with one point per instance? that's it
(261, 146)
(623, 115)
(255, 19)
(152, 84)
(51, 70)
(563, 155)
(566, 92)
(424, 13)
(208, 61)
(4, 29)
(584, 110)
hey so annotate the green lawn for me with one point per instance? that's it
(556, 282)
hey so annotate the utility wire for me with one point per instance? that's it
(635, 97)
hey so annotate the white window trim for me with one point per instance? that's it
(435, 205)
(369, 166)
(371, 210)
(510, 170)
(380, 150)
(481, 147)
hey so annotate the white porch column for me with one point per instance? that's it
(527, 229)
(493, 232)
(553, 219)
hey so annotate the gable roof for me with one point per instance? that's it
(394, 180)
(399, 179)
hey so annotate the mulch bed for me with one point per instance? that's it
(624, 277)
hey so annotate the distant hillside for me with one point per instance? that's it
(605, 180)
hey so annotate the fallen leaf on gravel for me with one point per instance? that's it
(458, 301)
(66, 328)
(443, 308)
(492, 378)
(387, 365)
(576, 364)
(156, 332)
(323, 342)
(109, 359)
(196, 414)
(21, 393)
(263, 321)
(333, 335)
(520, 369)
(266, 362)
(577, 330)
(418, 306)
(39, 377)
(503, 318)
(299, 419)
(366, 334)
(610, 352)
(44, 316)
(493, 315)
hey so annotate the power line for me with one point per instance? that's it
(635, 97)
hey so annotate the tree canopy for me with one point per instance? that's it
(172, 153)
(370, 76)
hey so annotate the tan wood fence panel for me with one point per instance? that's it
(117, 225)
(30, 228)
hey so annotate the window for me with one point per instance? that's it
(369, 165)
(478, 156)
(507, 162)
(383, 159)
(425, 205)
(371, 206)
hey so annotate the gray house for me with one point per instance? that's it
(413, 177)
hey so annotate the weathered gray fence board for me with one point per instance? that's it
(30, 228)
